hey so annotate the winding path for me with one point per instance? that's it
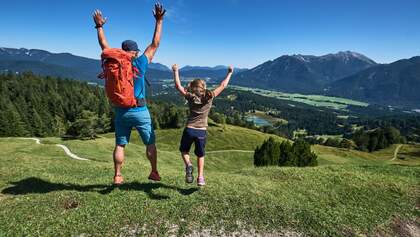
(37, 141)
(69, 153)
(396, 152)
(76, 157)
(65, 148)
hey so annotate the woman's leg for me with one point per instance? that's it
(185, 146)
(200, 144)
(200, 164)
(186, 158)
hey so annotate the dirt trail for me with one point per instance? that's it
(76, 157)
(65, 148)
(396, 152)
(69, 153)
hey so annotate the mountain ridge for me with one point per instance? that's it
(303, 73)
(81, 68)
(395, 83)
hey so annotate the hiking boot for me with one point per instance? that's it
(201, 181)
(154, 175)
(189, 178)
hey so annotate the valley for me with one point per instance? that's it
(365, 181)
(314, 100)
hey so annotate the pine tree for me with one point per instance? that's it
(15, 126)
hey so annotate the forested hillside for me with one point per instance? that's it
(45, 106)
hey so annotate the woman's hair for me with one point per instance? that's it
(198, 88)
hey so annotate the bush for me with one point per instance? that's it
(167, 115)
(347, 144)
(333, 142)
(218, 117)
(377, 139)
(284, 153)
(88, 125)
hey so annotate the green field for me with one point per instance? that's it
(45, 193)
(314, 100)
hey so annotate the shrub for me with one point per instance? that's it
(377, 139)
(284, 153)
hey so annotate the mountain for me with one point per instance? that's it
(397, 83)
(63, 65)
(215, 73)
(160, 67)
(303, 73)
(67, 65)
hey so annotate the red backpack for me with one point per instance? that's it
(119, 74)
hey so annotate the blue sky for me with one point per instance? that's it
(243, 33)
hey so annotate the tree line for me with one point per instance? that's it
(274, 153)
(44, 106)
(362, 139)
(32, 105)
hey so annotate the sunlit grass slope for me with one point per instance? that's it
(44, 192)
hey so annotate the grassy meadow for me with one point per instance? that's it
(314, 100)
(43, 192)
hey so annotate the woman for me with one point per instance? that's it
(199, 101)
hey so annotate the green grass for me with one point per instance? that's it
(43, 192)
(314, 100)
(408, 155)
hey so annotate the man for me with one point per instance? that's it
(138, 117)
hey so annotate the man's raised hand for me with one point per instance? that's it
(159, 12)
(98, 18)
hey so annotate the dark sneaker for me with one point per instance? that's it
(189, 178)
(201, 181)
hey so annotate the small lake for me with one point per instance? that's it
(258, 121)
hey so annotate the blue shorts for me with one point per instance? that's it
(196, 136)
(126, 120)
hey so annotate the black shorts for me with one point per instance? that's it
(196, 136)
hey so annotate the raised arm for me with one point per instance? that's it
(224, 83)
(177, 81)
(158, 13)
(99, 22)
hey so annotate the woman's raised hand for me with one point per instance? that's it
(175, 67)
(230, 69)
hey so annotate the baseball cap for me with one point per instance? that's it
(129, 45)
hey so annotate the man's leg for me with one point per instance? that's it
(118, 162)
(147, 134)
(151, 154)
(122, 137)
